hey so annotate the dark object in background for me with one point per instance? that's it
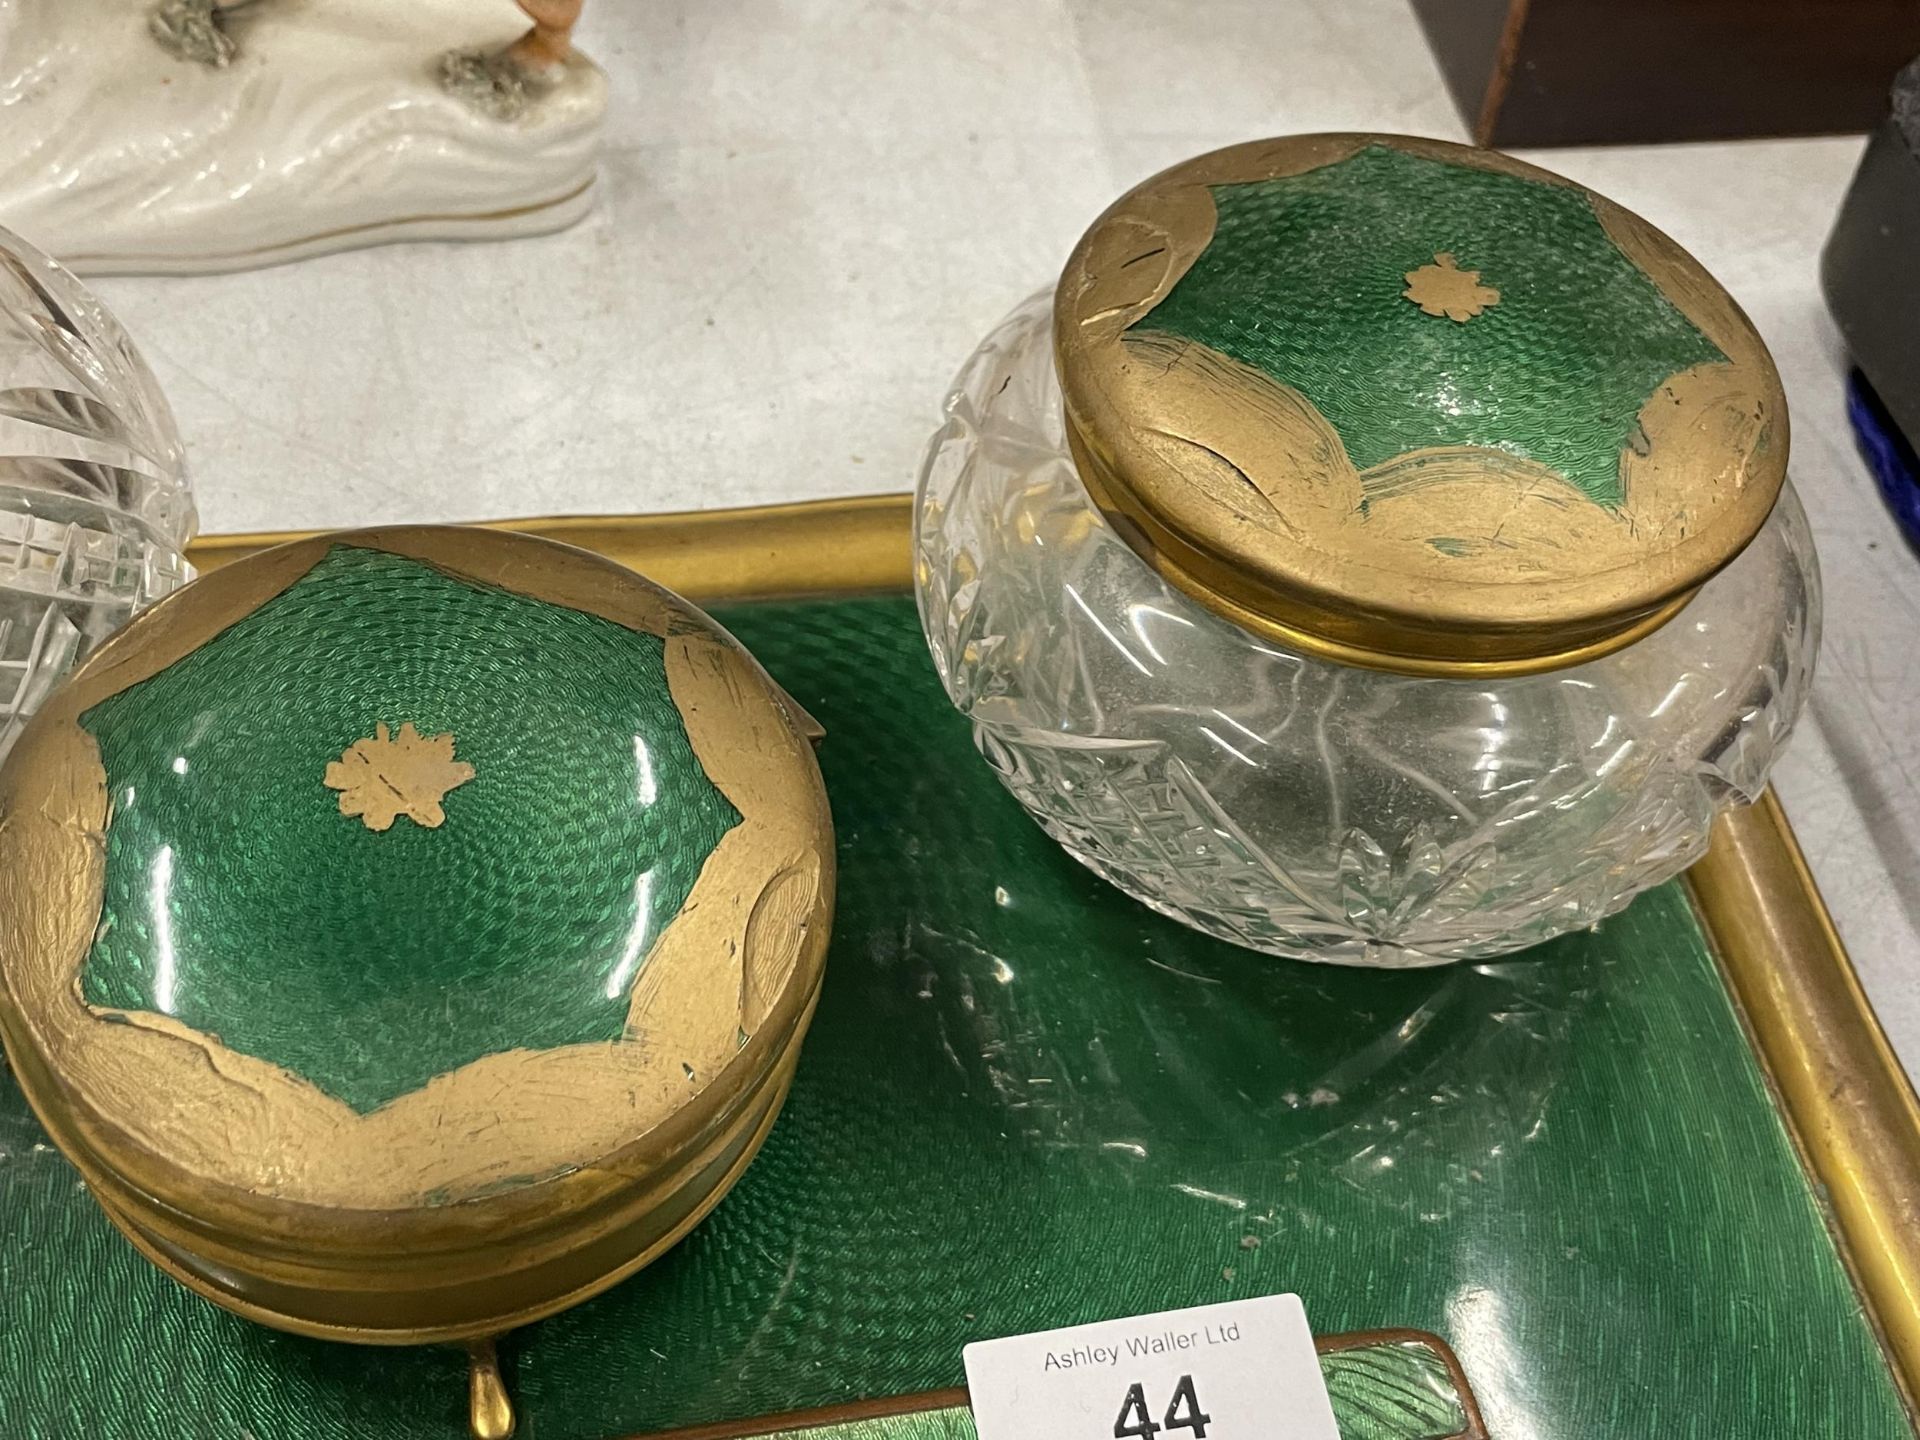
(1887, 454)
(1602, 72)
(1870, 271)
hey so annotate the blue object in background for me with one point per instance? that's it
(1888, 453)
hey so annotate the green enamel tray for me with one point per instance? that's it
(1656, 1180)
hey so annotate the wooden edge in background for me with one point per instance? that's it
(1845, 1095)
(1487, 120)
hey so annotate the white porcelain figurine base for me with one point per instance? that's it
(328, 130)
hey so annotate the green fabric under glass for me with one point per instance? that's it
(1027, 1102)
(1303, 281)
(242, 901)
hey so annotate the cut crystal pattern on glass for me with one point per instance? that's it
(95, 510)
(1303, 807)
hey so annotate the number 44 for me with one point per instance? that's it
(1134, 1423)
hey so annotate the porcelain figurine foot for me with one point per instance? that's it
(192, 30)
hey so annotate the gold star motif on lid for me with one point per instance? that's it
(1442, 288)
(387, 776)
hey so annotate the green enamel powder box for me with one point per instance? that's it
(408, 933)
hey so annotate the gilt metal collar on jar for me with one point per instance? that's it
(1413, 405)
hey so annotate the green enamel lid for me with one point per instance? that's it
(430, 884)
(1414, 405)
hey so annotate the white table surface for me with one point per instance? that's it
(810, 212)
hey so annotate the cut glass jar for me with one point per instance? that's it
(1375, 550)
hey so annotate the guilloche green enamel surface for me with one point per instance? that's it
(953, 1422)
(1393, 1392)
(240, 899)
(1027, 1102)
(1304, 279)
